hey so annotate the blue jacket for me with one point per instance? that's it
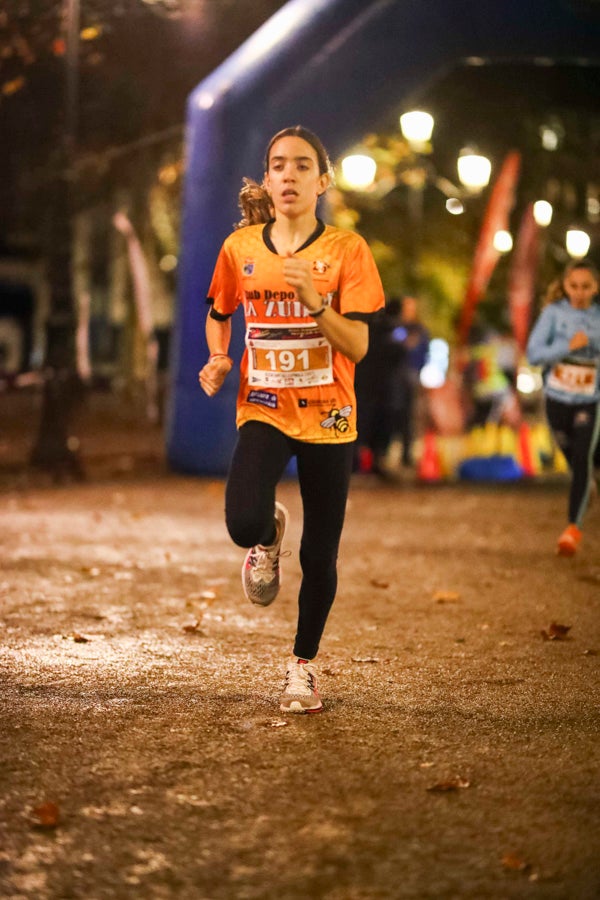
(548, 346)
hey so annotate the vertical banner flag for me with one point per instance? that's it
(486, 256)
(522, 277)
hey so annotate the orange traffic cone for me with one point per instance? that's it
(430, 466)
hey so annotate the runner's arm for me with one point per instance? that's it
(349, 336)
(213, 374)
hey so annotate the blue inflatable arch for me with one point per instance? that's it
(339, 67)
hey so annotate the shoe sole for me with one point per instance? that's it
(566, 550)
(296, 708)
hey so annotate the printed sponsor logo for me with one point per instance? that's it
(263, 398)
(305, 403)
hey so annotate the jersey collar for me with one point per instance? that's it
(320, 228)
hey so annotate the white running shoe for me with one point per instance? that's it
(261, 572)
(300, 694)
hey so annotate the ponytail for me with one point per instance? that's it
(255, 204)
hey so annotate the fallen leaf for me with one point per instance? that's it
(556, 632)
(275, 723)
(331, 672)
(375, 582)
(76, 638)
(192, 628)
(514, 862)
(453, 784)
(426, 765)
(446, 597)
(590, 653)
(365, 659)
(46, 815)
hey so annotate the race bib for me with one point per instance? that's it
(288, 356)
(572, 378)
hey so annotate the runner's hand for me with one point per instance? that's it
(579, 339)
(214, 373)
(297, 272)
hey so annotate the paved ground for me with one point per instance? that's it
(457, 756)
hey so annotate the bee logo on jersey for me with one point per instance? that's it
(337, 419)
(248, 267)
(320, 266)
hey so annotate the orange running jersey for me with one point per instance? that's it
(290, 376)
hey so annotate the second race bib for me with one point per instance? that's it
(573, 378)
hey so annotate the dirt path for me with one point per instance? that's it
(174, 774)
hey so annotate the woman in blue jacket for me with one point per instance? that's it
(565, 340)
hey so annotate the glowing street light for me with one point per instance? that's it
(454, 206)
(474, 170)
(577, 243)
(542, 213)
(359, 170)
(416, 127)
(503, 241)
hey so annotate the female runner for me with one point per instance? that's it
(307, 290)
(566, 341)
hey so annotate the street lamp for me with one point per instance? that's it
(503, 241)
(454, 206)
(358, 170)
(542, 213)
(474, 170)
(577, 243)
(417, 127)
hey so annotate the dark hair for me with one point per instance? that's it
(580, 264)
(254, 200)
(325, 167)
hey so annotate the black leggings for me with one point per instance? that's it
(259, 461)
(576, 428)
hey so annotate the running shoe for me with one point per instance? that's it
(300, 694)
(261, 572)
(569, 541)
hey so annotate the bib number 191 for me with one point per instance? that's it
(287, 360)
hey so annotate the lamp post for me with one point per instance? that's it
(417, 127)
(413, 170)
(55, 450)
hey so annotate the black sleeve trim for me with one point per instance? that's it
(361, 316)
(220, 317)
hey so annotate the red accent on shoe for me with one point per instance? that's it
(569, 541)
